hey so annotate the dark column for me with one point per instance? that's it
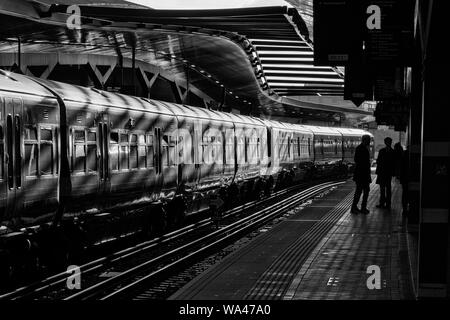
(433, 273)
(415, 138)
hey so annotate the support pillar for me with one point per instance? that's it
(433, 271)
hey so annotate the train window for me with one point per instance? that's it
(31, 133)
(46, 134)
(31, 151)
(309, 146)
(258, 146)
(114, 137)
(46, 155)
(92, 136)
(124, 151)
(165, 150)
(114, 150)
(240, 150)
(2, 151)
(168, 150)
(289, 147)
(79, 135)
(31, 155)
(142, 153)
(91, 161)
(229, 146)
(91, 147)
(150, 157)
(245, 150)
(269, 143)
(79, 158)
(84, 158)
(123, 157)
(133, 152)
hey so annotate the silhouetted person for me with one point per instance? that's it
(361, 175)
(398, 154)
(404, 172)
(385, 171)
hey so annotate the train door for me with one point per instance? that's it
(158, 161)
(13, 155)
(3, 180)
(185, 151)
(103, 155)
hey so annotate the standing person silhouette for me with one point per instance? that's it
(385, 171)
(398, 155)
(361, 175)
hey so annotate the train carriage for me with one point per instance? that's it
(351, 138)
(29, 151)
(327, 150)
(86, 161)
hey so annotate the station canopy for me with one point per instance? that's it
(260, 55)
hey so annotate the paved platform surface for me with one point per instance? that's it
(318, 251)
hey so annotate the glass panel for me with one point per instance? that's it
(1, 152)
(141, 139)
(114, 156)
(46, 159)
(165, 156)
(133, 157)
(91, 158)
(150, 156)
(123, 137)
(133, 138)
(31, 154)
(79, 135)
(31, 133)
(150, 139)
(114, 137)
(92, 136)
(79, 158)
(142, 157)
(123, 157)
(46, 134)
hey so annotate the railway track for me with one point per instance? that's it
(118, 274)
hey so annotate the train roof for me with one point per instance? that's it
(324, 130)
(284, 125)
(353, 132)
(14, 82)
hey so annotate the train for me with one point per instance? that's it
(81, 166)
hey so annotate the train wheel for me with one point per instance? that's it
(176, 210)
(159, 220)
(268, 186)
(258, 190)
(6, 270)
(232, 195)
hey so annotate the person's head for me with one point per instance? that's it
(365, 139)
(398, 147)
(388, 141)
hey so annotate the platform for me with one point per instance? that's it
(319, 251)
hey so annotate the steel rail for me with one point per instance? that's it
(205, 243)
(103, 262)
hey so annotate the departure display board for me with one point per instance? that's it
(382, 30)
(388, 37)
(335, 31)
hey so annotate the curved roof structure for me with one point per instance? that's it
(258, 55)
